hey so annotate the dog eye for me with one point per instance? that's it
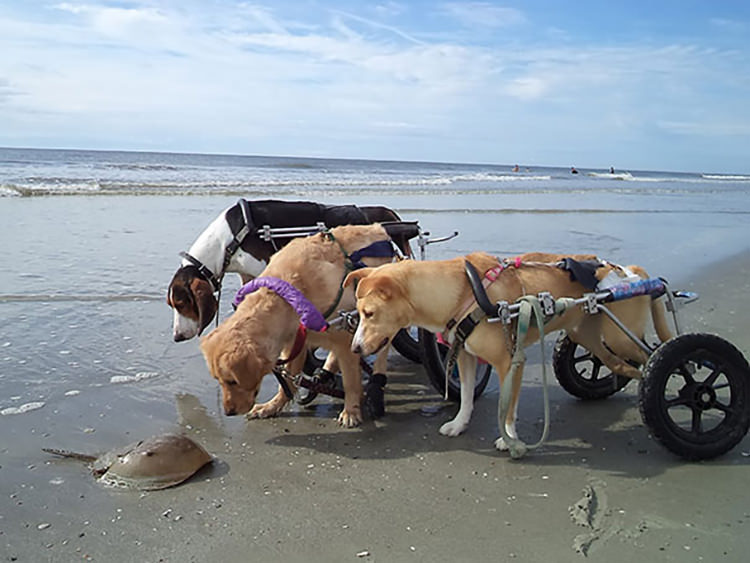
(231, 382)
(367, 314)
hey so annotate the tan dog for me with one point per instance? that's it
(429, 294)
(245, 347)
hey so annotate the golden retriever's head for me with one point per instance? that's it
(238, 368)
(383, 309)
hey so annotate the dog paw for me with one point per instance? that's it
(501, 445)
(452, 428)
(350, 418)
(264, 410)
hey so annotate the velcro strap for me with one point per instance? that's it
(378, 249)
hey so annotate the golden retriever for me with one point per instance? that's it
(246, 346)
(429, 294)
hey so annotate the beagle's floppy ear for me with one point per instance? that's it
(357, 275)
(204, 301)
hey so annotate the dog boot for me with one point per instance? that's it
(375, 395)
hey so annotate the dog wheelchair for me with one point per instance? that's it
(694, 395)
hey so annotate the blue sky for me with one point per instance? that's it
(639, 85)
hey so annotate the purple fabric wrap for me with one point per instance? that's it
(308, 314)
(651, 286)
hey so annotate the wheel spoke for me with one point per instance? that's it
(677, 402)
(726, 409)
(595, 371)
(696, 425)
(711, 379)
(685, 373)
(582, 358)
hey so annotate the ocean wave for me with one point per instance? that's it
(140, 166)
(727, 177)
(60, 297)
(534, 211)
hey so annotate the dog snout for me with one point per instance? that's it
(230, 411)
(179, 337)
(357, 348)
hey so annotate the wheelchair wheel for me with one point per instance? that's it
(406, 343)
(695, 396)
(582, 374)
(433, 361)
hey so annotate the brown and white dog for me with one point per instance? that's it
(231, 244)
(245, 347)
(430, 294)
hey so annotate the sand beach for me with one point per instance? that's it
(298, 488)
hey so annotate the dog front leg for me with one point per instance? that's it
(280, 399)
(467, 371)
(352, 379)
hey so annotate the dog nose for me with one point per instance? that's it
(357, 349)
(231, 411)
(179, 337)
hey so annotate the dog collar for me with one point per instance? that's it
(204, 271)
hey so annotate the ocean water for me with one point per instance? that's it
(90, 241)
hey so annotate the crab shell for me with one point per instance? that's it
(157, 463)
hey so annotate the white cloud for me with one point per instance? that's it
(261, 79)
(483, 14)
(528, 87)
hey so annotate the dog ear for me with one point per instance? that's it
(205, 301)
(357, 275)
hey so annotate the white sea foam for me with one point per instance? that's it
(72, 393)
(26, 407)
(140, 376)
(731, 177)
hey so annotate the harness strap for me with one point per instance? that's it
(490, 276)
(378, 249)
(279, 372)
(463, 331)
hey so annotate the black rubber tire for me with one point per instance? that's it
(433, 358)
(406, 343)
(719, 386)
(586, 381)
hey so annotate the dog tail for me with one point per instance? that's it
(659, 317)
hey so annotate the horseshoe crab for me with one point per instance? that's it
(157, 463)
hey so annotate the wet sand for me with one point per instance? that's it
(298, 488)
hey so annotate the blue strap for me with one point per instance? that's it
(378, 249)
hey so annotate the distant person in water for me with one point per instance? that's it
(573, 170)
(611, 169)
(516, 168)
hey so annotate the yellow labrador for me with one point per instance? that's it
(430, 294)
